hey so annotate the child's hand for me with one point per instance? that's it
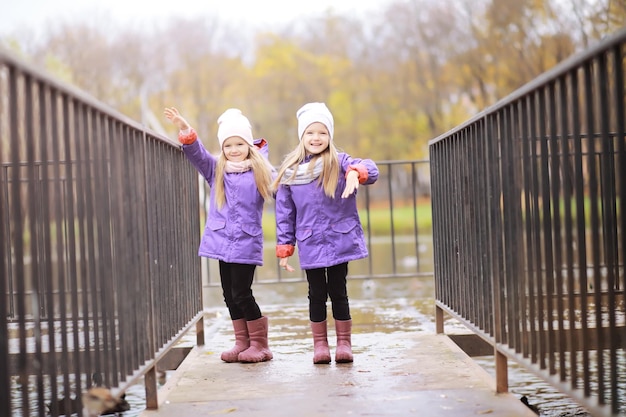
(172, 114)
(352, 183)
(284, 265)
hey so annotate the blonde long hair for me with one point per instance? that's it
(261, 169)
(329, 177)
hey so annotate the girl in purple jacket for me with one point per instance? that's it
(316, 210)
(240, 180)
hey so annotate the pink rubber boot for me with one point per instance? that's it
(242, 341)
(321, 352)
(258, 350)
(343, 354)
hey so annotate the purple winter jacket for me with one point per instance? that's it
(234, 233)
(327, 231)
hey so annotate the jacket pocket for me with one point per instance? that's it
(303, 234)
(344, 226)
(252, 229)
(215, 224)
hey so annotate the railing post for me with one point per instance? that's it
(438, 319)
(200, 332)
(150, 382)
(502, 372)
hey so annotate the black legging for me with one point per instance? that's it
(324, 283)
(237, 290)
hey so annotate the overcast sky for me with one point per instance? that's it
(30, 14)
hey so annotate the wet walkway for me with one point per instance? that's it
(401, 368)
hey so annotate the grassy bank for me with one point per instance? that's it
(404, 220)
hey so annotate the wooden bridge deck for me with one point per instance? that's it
(399, 369)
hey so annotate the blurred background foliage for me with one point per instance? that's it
(394, 78)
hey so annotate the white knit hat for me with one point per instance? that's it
(314, 112)
(233, 123)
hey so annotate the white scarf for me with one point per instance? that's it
(303, 174)
(244, 166)
(241, 166)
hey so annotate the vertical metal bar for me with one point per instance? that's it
(620, 116)
(102, 271)
(609, 224)
(463, 295)
(496, 249)
(86, 216)
(509, 213)
(527, 288)
(555, 169)
(439, 233)
(149, 190)
(581, 215)
(370, 259)
(590, 160)
(414, 180)
(6, 193)
(472, 257)
(32, 181)
(500, 278)
(110, 306)
(566, 99)
(478, 231)
(433, 156)
(486, 264)
(537, 349)
(58, 230)
(134, 162)
(45, 118)
(464, 301)
(545, 291)
(15, 262)
(141, 142)
(124, 251)
(90, 305)
(445, 265)
(5, 379)
(518, 229)
(391, 222)
(68, 139)
(151, 232)
(15, 200)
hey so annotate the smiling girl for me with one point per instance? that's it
(240, 181)
(316, 210)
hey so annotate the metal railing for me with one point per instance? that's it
(98, 265)
(529, 232)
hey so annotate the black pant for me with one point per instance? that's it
(324, 283)
(237, 290)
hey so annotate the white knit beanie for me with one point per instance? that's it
(314, 112)
(233, 123)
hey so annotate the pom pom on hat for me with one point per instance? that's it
(233, 123)
(314, 112)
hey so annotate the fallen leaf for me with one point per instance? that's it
(224, 411)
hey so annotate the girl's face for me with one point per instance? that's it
(315, 138)
(235, 149)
